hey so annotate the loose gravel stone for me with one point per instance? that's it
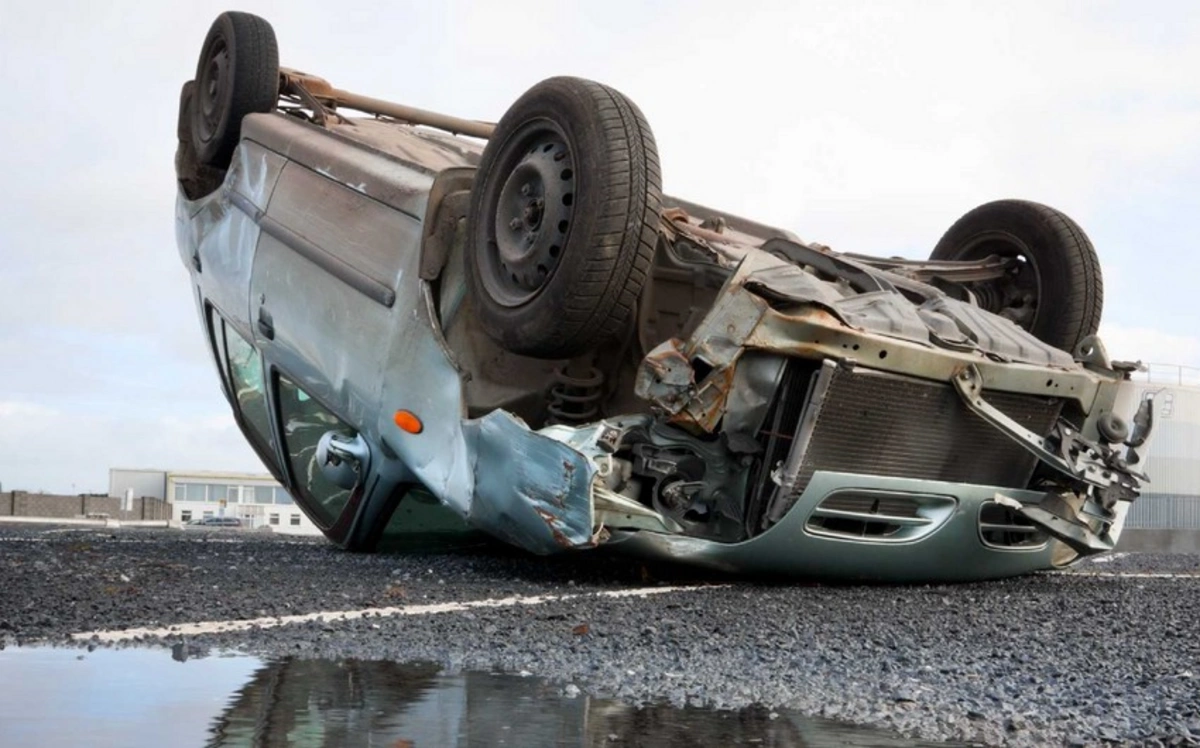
(1085, 657)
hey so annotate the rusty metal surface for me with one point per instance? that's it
(327, 95)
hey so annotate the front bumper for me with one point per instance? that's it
(954, 550)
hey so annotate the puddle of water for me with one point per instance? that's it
(156, 697)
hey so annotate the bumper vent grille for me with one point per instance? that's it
(879, 515)
(874, 423)
(1001, 527)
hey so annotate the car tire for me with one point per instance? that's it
(563, 219)
(237, 74)
(1057, 291)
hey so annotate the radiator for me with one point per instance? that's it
(876, 423)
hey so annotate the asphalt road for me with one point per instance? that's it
(1107, 653)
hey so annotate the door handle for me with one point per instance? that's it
(265, 326)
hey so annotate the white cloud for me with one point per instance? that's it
(1150, 345)
(62, 451)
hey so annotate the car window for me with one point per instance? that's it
(249, 387)
(216, 334)
(304, 422)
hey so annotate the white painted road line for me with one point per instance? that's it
(1132, 574)
(223, 627)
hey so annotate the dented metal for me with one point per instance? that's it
(344, 237)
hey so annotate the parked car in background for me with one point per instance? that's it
(214, 522)
(510, 326)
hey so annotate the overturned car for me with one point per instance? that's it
(423, 321)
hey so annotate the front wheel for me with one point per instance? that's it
(1055, 289)
(564, 219)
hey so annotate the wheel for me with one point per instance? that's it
(563, 220)
(238, 74)
(187, 95)
(1056, 292)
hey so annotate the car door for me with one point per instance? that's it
(323, 305)
(294, 434)
(323, 287)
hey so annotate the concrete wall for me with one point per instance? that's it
(56, 506)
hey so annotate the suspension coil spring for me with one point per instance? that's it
(575, 395)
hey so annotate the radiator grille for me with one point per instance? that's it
(873, 423)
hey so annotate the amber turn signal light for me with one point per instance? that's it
(408, 421)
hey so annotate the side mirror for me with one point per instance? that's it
(342, 458)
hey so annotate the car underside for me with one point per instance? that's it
(513, 319)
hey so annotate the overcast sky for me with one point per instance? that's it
(870, 127)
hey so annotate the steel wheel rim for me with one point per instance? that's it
(530, 218)
(212, 87)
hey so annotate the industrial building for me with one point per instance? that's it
(256, 499)
(1171, 501)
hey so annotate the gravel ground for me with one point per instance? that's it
(1108, 653)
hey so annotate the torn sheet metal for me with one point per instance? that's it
(530, 490)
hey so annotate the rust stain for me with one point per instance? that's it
(663, 364)
(552, 522)
(559, 498)
(705, 410)
(315, 85)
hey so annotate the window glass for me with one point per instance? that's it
(304, 422)
(189, 492)
(217, 493)
(249, 389)
(274, 519)
(295, 520)
(282, 496)
(248, 495)
(185, 515)
(216, 333)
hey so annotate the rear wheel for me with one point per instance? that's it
(1055, 291)
(563, 219)
(237, 74)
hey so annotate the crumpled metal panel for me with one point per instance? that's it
(940, 320)
(781, 281)
(884, 312)
(530, 490)
(665, 376)
(996, 335)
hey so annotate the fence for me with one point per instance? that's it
(1176, 374)
(57, 506)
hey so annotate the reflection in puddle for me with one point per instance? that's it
(157, 697)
